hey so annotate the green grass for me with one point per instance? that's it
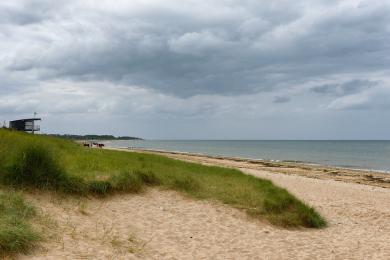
(16, 234)
(52, 163)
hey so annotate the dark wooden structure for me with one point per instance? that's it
(26, 125)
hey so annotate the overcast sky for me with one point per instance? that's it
(190, 69)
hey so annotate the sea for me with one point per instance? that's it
(364, 155)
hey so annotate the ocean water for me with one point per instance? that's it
(371, 155)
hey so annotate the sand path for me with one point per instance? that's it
(166, 225)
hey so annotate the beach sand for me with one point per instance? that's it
(160, 224)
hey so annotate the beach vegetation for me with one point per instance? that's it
(51, 163)
(16, 233)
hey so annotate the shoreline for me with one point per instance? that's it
(363, 155)
(254, 160)
(166, 224)
(316, 171)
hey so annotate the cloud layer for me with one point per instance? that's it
(194, 59)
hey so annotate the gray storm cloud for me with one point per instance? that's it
(179, 57)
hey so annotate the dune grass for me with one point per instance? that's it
(16, 234)
(52, 163)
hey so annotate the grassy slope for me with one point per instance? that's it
(104, 171)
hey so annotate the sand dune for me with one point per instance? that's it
(166, 225)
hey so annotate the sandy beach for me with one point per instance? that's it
(195, 130)
(160, 224)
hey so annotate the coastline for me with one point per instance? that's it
(366, 155)
(163, 224)
(355, 204)
(316, 171)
